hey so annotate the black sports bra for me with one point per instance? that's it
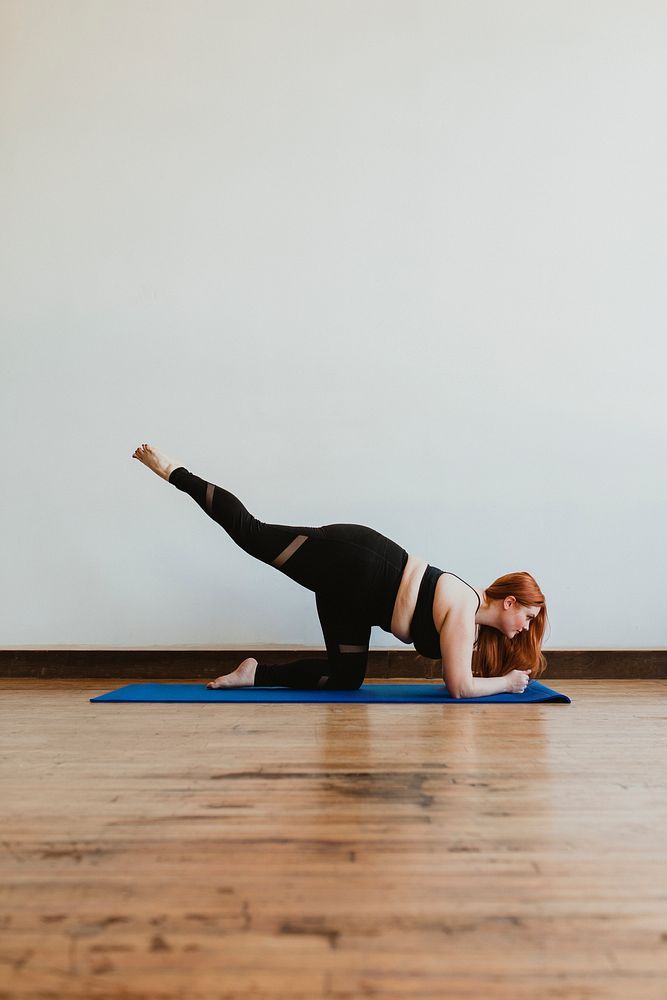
(423, 632)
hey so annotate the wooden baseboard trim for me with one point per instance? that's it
(146, 664)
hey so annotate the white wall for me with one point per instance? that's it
(382, 261)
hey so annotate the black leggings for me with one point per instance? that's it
(354, 571)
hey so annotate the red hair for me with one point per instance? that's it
(493, 653)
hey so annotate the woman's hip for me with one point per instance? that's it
(353, 561)
(363, 565)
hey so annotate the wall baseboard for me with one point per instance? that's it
(147, 664)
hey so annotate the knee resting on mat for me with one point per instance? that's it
(350, 668)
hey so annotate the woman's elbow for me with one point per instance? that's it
(455, 691)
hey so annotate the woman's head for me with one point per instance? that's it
(510, 635)
(508, 614)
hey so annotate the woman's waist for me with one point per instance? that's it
(423, 632)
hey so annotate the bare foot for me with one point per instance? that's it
(243, 676)
(155, 460)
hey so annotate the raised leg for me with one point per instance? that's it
(274, 544)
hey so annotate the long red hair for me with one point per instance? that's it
(493, 653)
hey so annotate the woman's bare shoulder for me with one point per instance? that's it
(453, 598)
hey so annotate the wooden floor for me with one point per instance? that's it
(339, 851)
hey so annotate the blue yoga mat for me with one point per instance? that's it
(398, 694)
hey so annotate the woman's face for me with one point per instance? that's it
(517, 617)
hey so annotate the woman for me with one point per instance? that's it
(488, 640)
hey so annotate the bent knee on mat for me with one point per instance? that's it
(351, 667)
(347, 680)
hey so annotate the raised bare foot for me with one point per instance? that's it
(155, 460)
(243, 676)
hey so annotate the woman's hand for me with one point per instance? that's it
(517, 681)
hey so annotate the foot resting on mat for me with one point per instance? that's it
(243, 676)
(155, 460)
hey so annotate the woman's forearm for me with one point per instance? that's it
(482, 686)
